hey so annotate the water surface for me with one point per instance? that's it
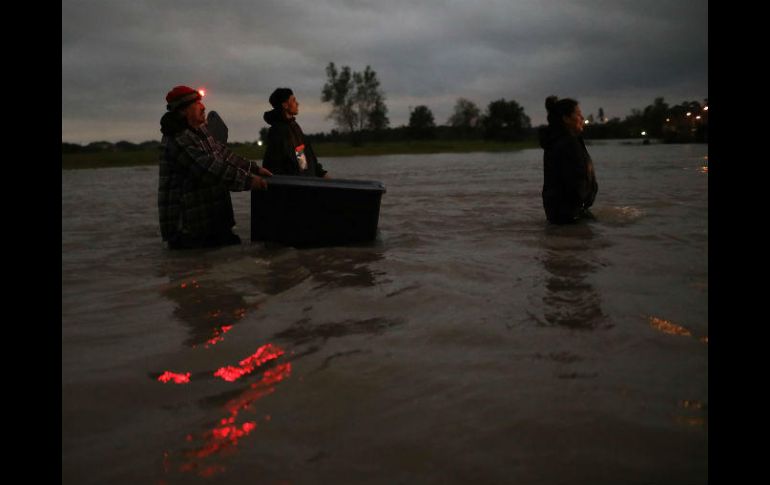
(471, 343)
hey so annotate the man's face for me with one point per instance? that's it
(195, 114)
(291, 106)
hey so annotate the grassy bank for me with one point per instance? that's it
(150, 157)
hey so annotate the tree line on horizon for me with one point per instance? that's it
(359, 112)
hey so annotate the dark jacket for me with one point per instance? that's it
(196, 174)
(283, 138)
(569, 182)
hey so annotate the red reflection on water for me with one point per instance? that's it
(259, 389)
(224, 437)
(263, 354)
(218, 332)
(669, 327)
(218, 439)
(206, 472)
(175, 377)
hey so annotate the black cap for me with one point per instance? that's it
(279, 96)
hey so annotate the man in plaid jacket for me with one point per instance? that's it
(196, 176)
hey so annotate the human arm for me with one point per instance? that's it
(320, 172)
(319, 169)
(202, 163)
(572, 162)
(258, 183)
(593, 186)
(251, 166)
(255, 169)
(279, 154)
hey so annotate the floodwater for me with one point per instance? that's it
(471, 343)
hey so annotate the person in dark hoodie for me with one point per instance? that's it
(569, 185)
(196, 173)
(287, 151)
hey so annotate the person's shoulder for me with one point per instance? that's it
(293, 123)
(559, 141)
(278, 130)
(567, 141)
(187, 137)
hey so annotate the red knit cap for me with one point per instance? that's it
(180, 97)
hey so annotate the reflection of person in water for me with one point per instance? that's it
(209, 308)
(205, 304)
(330, 267)
(343, 267)
(570, 300)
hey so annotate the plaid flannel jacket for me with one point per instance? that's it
(196, 174)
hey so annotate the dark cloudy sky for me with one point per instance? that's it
(121, 57)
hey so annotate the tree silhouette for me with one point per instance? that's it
(466, 116)
(357, 101)
(506, 120)
(421, 123)
(340, 92)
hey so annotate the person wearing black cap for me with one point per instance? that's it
(196, 175)
(569, 181)
(287, 151)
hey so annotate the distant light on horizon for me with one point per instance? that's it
(689, 114)
(668, 119)
(644, 133)
(585, 122)
(697, 117)
(202, 92)
(705, 108)
(259, 143)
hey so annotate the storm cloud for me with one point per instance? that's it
(121, 57)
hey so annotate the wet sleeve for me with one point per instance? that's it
(239, 161)
(204, 166)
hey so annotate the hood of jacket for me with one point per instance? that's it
(173, 123)
(549, 135)
(274, 116)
